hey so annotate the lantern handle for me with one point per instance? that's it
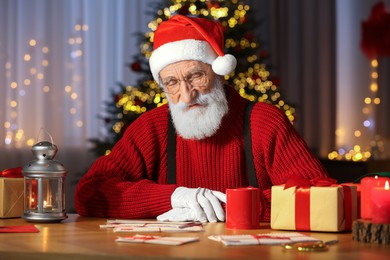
(44, 130)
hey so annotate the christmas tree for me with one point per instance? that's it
(251, 78)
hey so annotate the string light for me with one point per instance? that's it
(36, 61)
(375, 148)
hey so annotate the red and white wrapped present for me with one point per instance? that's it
(313, 205)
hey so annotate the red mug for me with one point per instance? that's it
(243, 209)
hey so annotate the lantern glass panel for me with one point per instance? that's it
(31, 194)
(44, 195)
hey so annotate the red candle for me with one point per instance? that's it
(380, 198)
(367, 184)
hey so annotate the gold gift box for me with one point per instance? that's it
(327, 209)
(11, 197)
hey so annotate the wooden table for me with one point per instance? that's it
(81, 238)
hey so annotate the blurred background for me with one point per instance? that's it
(78, 69)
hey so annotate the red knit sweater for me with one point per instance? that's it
(131, 182)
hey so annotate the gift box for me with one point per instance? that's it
(358, 192)
(11, 193)
(316, 206)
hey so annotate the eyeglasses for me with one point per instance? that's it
(196, 79)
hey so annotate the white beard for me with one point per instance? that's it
(200, 122)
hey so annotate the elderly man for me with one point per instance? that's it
(176, 161)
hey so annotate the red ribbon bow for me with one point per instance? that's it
(300, 182)
(12, 173)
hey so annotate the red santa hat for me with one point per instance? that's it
(190, 38)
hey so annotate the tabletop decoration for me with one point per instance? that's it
(368, 232)
(363, 203)
(121, 225)
(380, 198)
(158, 240)
(367, 185)
(313, 205)
(19, 229)
(377, 228)
(44, 185)
(11, 193)
(263, 239)
(315, 246)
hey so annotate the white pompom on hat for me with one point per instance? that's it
(190, 38)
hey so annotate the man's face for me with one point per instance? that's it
(196, 98)
(185, 80)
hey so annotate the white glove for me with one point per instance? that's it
(177, 214)
(204, 204)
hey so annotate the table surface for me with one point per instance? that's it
(82, 238)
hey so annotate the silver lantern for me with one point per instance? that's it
(44, 185)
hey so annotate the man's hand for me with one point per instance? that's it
(178, 214)
(197, 204)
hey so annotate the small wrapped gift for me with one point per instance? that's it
(313, 205)
(11, 193)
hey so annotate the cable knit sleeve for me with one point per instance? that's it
(129, 182)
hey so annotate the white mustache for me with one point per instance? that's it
(202, 99)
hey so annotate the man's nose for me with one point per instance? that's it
(187, 92)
